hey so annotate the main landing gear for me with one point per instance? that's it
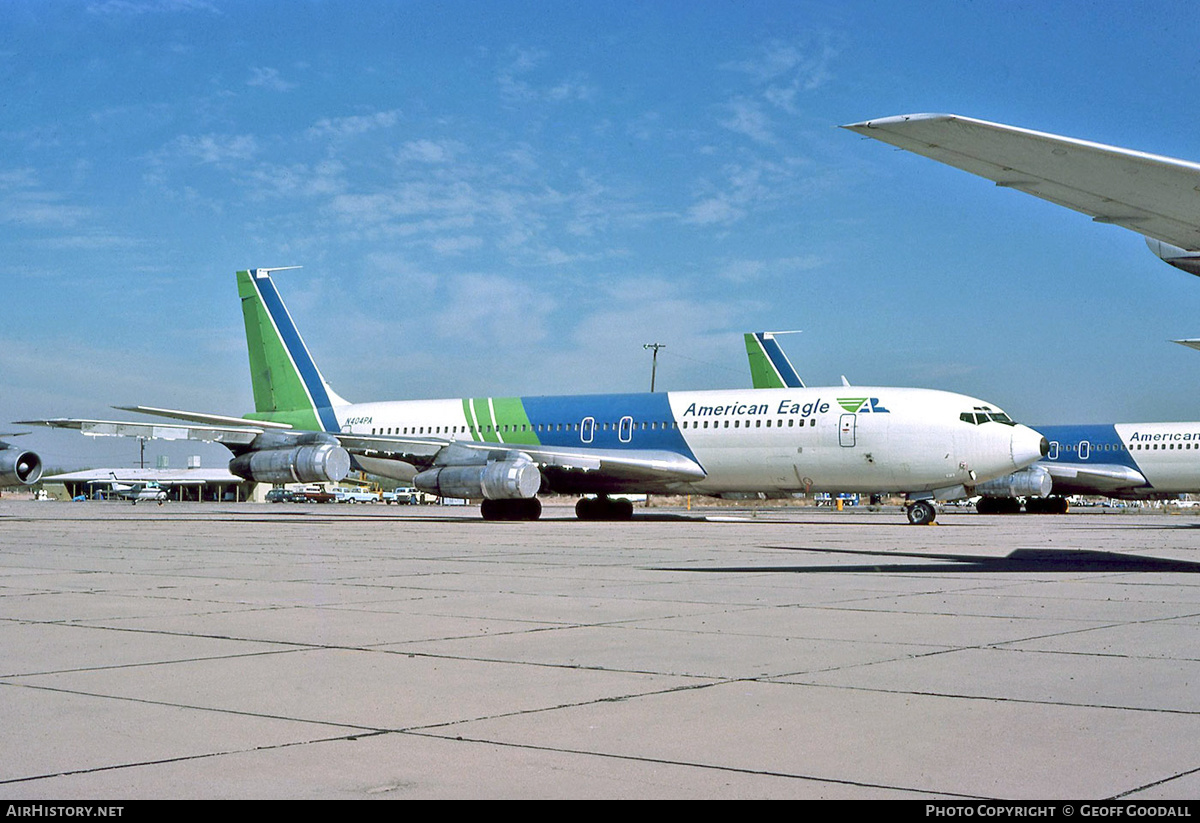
(603, 508)
(1012, 505)
(921, 513)
(516, 509)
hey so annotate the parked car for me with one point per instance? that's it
(402, 496)
(356, 496)
(280, 496)
(314, 495)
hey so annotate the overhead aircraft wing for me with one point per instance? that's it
(1156, 196)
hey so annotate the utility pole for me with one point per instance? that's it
(654, 360)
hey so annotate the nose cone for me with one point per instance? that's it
(1028, 446)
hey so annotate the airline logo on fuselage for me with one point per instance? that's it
(1175, 436)
(862, 405)
(817, 406)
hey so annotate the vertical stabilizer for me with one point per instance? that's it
(288, 387)
(769, 366)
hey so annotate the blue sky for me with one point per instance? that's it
(513, 197)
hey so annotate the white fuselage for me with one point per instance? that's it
(856, 439)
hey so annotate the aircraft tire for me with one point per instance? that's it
(520, 509)
(603, 508)
(921, 513)
(622, 509)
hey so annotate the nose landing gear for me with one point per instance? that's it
(921, 513)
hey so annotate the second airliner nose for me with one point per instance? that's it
(1028, 446)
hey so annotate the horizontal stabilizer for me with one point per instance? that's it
(119, 428)
(201, 417)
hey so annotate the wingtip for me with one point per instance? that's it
(883, 122)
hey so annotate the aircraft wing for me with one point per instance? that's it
(622, 464)
(376, 452)
(1083, 478)
(1156, 196)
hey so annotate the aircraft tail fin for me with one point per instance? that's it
(769, 366)
(288, 386)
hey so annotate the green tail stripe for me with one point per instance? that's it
(762, 370)
(279, 393)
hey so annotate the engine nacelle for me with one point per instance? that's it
(510, 479)
(1033, 481)
(1188, 261)
(20, 467)
(324, 463)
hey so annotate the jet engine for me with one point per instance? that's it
(1033, 481)
(1188, 261)
(513, 478)
(323, 463)
(18, 467)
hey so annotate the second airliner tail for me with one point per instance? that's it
(769, 366)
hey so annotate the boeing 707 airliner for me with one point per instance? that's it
(1131, 461)
(505, 451)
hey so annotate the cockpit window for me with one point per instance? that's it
(984, 414)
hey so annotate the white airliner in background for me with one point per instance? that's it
(1131, 461)
(1152, 195)
(506, 450)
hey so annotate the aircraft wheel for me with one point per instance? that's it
(586, 508)
(622, 509)
(603, 508)
(530, 509)
(921, 513)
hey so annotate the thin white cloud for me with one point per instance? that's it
(747, 117)
(354, 125)
(24, 200)
(430, 151)
(803, 66)
(713, 211)
(214, 148)
(268, 78)
(137, 7)
(484, 308)
(516, 86)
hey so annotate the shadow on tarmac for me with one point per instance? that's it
(1021, 560)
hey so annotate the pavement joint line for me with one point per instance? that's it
(705, 766)
(991, 698)
(184, 758)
